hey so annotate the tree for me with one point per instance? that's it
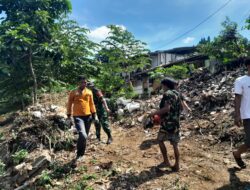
(204, 40)
(28, 25)
(71, 51)
(227, 46)
(120, 55)
(248, 23)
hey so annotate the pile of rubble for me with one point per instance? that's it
(212, 100)
(210, 97)
(40, 130)
(43, 130)
(207, 92)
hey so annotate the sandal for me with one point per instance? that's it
(163, 165)
(240, 162)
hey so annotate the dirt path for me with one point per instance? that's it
(129, 163)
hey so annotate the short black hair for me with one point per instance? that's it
(169, 82)
(81, 77)
(247, 61)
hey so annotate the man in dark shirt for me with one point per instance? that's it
(102, 111)
(170, 108)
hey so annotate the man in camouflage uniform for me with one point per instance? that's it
(170, 108)
(102, 111)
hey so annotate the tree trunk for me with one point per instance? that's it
(34, 91)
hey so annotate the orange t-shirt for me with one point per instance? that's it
(82, 101)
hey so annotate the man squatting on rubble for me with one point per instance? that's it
(242, 112)
(170, 108)
(83, 112)
(102, 111)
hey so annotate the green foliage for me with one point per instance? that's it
(179, 186)
(129, 91)
(248, 23)
(89, 177)
(19, 156)
(82, 169)
(25, 30)
(227, 46)
(80, 185)
(120, 54)
(83, 183)
(2, 168)
(2, 136)
(204, 40)
(72, 52)
(45, 178)
(158, 73)
(176, 72)
(59, 170)
(131, 95)
(93, 161)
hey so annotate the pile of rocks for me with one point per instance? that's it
(40, 130)
(210, 97)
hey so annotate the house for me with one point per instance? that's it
(167, 58)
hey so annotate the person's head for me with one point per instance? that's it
(91, 85)
(82, 82)
(247, 62)
(168, 83)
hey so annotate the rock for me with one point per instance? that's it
(106, 166)
(53, 108)
(186, 134)
(122, 101)
(120, 112)
(97, 168)
(37, 114)
(226, 161)
(132, 106)
(26, 171)
(196, 103)
(213, 112)
(141, 118)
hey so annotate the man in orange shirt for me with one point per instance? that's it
(83, 108)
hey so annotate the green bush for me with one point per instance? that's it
(45, 178)
(19, 156)
(89, 177)
(176, 72)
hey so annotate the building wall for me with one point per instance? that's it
(138, 88)
(154, 61)
(165, 58)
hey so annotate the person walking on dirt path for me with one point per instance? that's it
(102, 113)
(242, 112)
(83, 112)
(170, 108)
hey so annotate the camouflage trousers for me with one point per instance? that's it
(103, 123)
